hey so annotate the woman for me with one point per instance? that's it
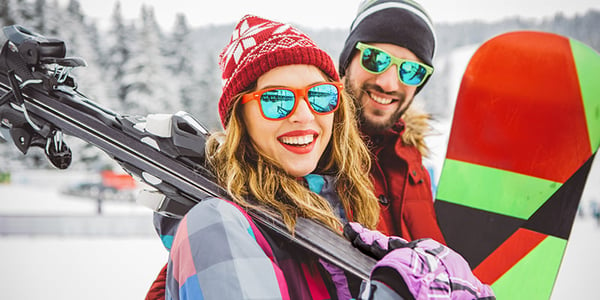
(291, 148)
(280, 153)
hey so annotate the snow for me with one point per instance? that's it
(577, 278)
(100, 266)
(78, 267)
(39, 193)
(93, 265)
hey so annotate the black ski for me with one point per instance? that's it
(39, 101)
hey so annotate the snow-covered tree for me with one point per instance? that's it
(118, 42)
(81, 38)
(52, 17)
(150, 82)
(39, 9)
(14, 12)
(207, 91)
(181, 47)
(5, 17)
(182, 63)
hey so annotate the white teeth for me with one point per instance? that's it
(381, 100)
(298, 140)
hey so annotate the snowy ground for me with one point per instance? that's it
(98, 264)
(122, 267)
(78, 268)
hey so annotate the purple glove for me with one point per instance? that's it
(427, 268)
(370, 242)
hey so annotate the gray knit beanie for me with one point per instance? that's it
(402, 23)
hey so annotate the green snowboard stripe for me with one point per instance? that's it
(533, 276)
(504, 192)
(587, 62)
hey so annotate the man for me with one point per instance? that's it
(385, 62)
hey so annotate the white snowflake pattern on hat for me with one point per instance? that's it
(242, 39)
(258, 45)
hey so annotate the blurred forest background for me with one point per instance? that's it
(137, 67)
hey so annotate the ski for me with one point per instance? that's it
(39, 102)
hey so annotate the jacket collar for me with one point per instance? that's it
(413, 127)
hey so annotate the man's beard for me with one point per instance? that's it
(368, 125)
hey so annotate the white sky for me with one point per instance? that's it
(326, 13)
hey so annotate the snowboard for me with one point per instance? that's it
(525, 130)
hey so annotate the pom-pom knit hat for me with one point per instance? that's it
(400, 22)
(258, 45)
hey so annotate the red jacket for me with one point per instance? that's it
(403, 185)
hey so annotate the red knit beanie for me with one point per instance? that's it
(258, 45)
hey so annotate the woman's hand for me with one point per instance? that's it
(425, 267)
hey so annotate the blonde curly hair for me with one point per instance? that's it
(255, 181)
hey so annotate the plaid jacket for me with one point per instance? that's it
(218, 252)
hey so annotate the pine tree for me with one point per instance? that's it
(39, 23)
(182, 63)
(182, 48)
(81, 39)
(118, 41)
(53, 19)
(5, 16)
(11, 12)
(150, 82)
(207, 92)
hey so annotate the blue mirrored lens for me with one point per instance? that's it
(323, 98)
(412, 73)
(375, 60)
(277, 104)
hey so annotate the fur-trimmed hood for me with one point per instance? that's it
(416, 127)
